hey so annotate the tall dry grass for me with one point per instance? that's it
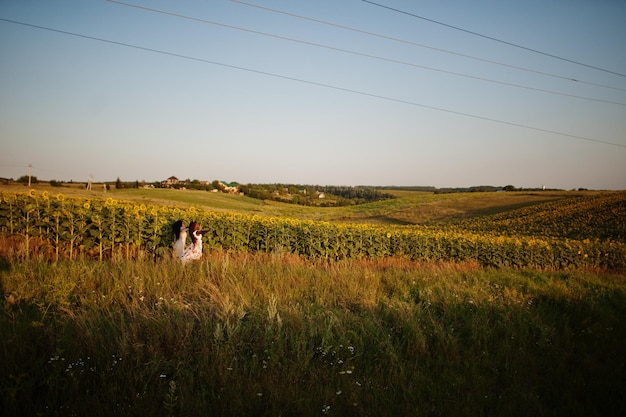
(275, 334)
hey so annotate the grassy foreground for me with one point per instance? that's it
(275, 335)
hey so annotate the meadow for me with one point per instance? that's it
(514, 306)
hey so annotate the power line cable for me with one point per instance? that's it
(395, 61)
(494, 39)
(412, 43)
(314, 83)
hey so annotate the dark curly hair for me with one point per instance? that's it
(176, 228)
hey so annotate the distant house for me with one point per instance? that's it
(170, 182)
(230, 187)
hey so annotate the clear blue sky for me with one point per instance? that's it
(366, 97)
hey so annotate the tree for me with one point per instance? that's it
(24, 179)
(118, 184)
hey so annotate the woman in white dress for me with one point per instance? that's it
(180, 236)
(194, 251)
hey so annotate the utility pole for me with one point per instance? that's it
(30, 167)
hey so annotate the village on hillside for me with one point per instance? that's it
(271, 191)
(223, 186)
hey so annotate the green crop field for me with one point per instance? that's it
(469, 304)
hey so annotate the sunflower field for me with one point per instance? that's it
(58, 227)
(601, 216)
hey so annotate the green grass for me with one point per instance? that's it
(216, 201)
(272, 334)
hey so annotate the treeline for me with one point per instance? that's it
(362, 194)
(309, 195)
(313, 195)
(473, 189)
